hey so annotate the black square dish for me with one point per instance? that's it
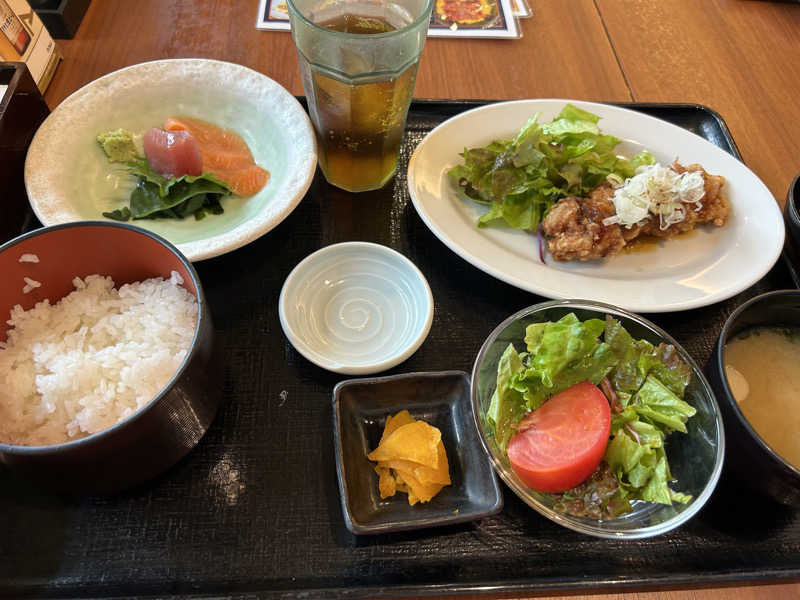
(360, 410)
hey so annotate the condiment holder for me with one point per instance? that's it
(360, 410)
(356, 308)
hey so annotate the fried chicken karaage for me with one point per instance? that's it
(584, 228)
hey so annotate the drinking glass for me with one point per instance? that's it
(358, 60)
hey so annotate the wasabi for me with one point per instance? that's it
(118, 145)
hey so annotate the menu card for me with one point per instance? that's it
(450, 18)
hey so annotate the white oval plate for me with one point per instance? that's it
(68, 177)
(706, 266)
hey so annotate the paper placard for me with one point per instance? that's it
(488, 19)
(23, 38)
(469, 19)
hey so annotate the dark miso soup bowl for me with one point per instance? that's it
(791, 215)
(159, 434)
(750, 458)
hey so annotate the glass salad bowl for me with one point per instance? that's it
(694, 458)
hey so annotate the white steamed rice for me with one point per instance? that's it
(30, 285)
(94, 358)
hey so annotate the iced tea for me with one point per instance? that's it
(359, 126)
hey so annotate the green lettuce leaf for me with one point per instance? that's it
(506, 408)
(668, 367)
(120, 214)
(640, 469)
(649, 382)
(679, 497)
(639, 358)
(656, 489)
(183, 198)
(572, 112)
(159, 197)
(658, 404)
(140, 168)
(560, 355)
(555, 345)
(623, 454)
(636, 452)
(520, 179)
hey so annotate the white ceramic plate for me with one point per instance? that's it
(356, 308)
(706, 266)
(68, 177)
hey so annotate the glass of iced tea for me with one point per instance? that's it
(358, 59)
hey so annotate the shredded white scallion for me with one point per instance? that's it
(659, 191)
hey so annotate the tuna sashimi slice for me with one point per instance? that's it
(225, 154)
(172, 153)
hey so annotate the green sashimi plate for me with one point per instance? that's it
(68, 177)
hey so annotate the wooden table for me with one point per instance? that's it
(741, 58)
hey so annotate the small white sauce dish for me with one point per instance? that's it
(356, 308)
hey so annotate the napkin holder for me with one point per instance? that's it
(22, 110)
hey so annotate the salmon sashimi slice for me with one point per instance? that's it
(210, 135)
(246, 181)
(225, 154)
(225, 161)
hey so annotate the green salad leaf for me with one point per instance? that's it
(638, 358)
(560, 354)
(184, 198)
(520, 179)
(649, 382)
(507, 407)
(159, 197)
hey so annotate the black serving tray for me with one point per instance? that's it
(254, 510)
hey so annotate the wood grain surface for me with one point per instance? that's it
(755, 592)
(741, 58)
(564, 53)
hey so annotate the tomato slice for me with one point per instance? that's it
(561, 443)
